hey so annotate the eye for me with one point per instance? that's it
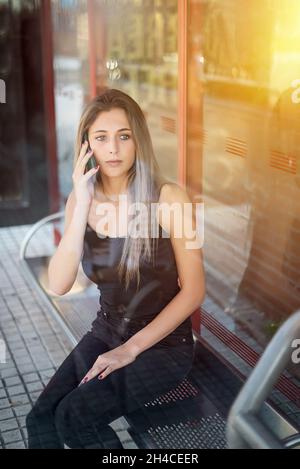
(101, 137)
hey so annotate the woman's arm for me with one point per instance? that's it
(189, 263)
(63, 266)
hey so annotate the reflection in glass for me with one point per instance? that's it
(92, 42)
(244, 65)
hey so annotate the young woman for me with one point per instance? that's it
(140, 345)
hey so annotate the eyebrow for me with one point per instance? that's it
(120, 130)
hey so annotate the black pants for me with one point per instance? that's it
(80, 416)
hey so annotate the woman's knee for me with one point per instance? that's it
(77, 428)
(37, 413)
(64, 418)
(37, 422)
(73, 410)
(62, 411)
(67, 422)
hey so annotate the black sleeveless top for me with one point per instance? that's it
(124, 312)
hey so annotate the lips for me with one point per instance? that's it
(114, 163)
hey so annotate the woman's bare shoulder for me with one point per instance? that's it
(172, 192)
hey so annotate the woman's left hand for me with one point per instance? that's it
(110, 361)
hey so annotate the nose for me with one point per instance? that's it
(113, 147)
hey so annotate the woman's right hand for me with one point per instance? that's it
(83, 183)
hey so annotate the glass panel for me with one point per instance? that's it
(139, 56)
(13, 157)
(72, 79)
(244, 140)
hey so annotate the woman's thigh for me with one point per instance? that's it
(154, 372)
(40, 421)
(71, 371)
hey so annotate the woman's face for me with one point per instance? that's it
(111, 139)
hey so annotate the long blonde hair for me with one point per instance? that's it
(144, 178)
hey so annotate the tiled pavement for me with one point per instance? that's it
(35, 345)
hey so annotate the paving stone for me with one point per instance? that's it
(14, 390)
(129, 445)
(16, 445)
(35, 386)
(47, 373)
(9, 363)
(20, 399)
(9, 424)
(11, 436)
(123, 435)
(22, 409)
(9, 372)
(22, 421)
(4, 403)
(16, 344)
(26, 368)
(29, 378)
(25, 360)
(12, 381)
(20, 353)
(6, 413)
(34, 395)
(13, 337)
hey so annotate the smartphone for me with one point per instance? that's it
(92, 163)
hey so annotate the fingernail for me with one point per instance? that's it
(100, 377)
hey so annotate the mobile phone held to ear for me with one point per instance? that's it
(92, 163)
